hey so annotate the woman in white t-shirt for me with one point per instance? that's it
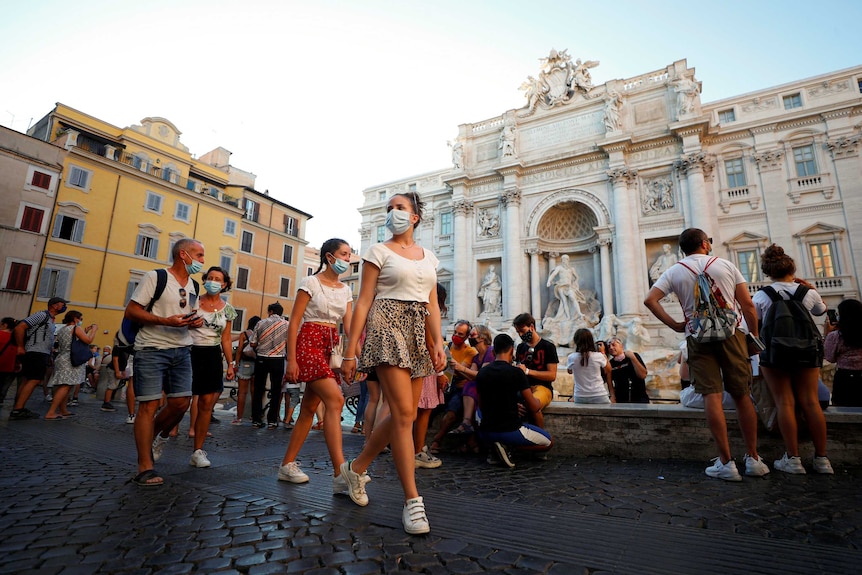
(398, 308)
(796, 386)
(588, 368)
(322, 302)
(210, 342)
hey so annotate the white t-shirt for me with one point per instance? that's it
(161, 336)
(812, 301)
(589, 379)
(402, 278)
(327, 304)
(679, 280)
(215, 323)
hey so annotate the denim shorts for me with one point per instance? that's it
(157, 370)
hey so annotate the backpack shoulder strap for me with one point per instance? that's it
(800, 292)
(161, 284)
(709, 263)
(770, 291)
(197, 286)
(687, 267)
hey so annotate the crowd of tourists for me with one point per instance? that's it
(488, 391)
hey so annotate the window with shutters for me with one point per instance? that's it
(53, 283)
(31, 219)
(287, 254)
(183, 212)
(154, 202)
(291, 226)
(225, 263)
(247, 242)
(41, 180)
(68, 228)
(18, 278)
(230, 227)
(252, 210)
(239, 321)
(241, 278)
(284, 287)
(147, 246)
(79, 178)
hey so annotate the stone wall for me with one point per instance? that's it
(676, 432)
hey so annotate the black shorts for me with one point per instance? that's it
(207, 369)
(34, 365)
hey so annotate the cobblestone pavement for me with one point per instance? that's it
(66, 506)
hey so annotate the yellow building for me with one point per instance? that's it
(126, 196)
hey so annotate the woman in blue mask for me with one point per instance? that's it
(398, 308)
(210, 342)
(322, 302)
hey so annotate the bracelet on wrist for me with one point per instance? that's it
(348, 359)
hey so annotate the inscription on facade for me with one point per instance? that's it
(563, 132)
(562, 172)
(654, 154)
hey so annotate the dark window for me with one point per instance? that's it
(287, 255)
(241, 278)
(252, 210)
(291, 226)
(284, 290)
(247, 240)
(31, 219)
(41, 180)
(68, 228)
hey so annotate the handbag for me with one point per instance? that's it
(248, 351)
(79, 352)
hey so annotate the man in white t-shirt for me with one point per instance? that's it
(714, 366)
(162, 361)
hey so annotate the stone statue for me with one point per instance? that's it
(489, 224)
(657, 195)
(633, 334)
(491, 292)
(580, 74)
(662, 262)
(613, 105)
(564, 278)
(507, 141)
(687, 93)
(457, 154)
(607, 328)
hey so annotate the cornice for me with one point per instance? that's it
(836, 206)
(555, 165)
(652, 144)
(753, 217)
(670, 224)
(799, 122)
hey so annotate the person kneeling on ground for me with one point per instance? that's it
(504, 392)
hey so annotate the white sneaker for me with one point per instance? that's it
(503, 455)
(413, 517)
(355, 484)
(755, 467)
(292, 473)
(822, 465)
(791, 465)
(339, 485)
(425, 460)
(199, 459)
(159, 446)
(726, 471)
(131, 419)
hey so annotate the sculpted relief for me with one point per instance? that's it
(559, 81)
(657, 195)
(488, 223)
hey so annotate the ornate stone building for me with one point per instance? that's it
(609, 175)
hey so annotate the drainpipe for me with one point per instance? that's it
(107, 242)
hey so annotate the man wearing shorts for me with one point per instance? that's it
(714, 366)
(537, 358)
(503, 392)
(34, 337)
(162, 360)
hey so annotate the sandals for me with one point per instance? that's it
(463, 429)
(357, 428)
(317, 426)
(148, 478)
(435, 448)
(237, 421)
(272, 426)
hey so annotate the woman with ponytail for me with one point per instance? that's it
(322, 302)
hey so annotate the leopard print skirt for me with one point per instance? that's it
(395, 335)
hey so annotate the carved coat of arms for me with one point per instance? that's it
(559, 81)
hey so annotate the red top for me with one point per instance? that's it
(7, 352)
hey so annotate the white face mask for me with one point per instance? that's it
(398, 222)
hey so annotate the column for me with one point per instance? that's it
(512, 253)
(607, 288)
(535, 284)
(624, 205)
(697, 167)
(461, 250)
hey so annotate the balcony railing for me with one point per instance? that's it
(834, 286)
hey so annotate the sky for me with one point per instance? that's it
(322, 99)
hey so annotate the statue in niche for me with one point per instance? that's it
(457, 154)
(613, 105)
(507, 141)
(489, 223)
(564, 278)
(491, 291)
(667, 258)
(687, 94)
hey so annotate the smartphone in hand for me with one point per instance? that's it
(754, 342)
(832, 316)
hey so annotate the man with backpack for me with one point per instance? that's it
(34, 337)
(162, 359)
(711, 290)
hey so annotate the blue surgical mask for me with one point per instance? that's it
(398, 222)
(194, 267)
(212, 287)
(339, 266)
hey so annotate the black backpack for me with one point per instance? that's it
(789, 333)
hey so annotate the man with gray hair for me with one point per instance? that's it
(164, 310)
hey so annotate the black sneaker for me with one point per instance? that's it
(258, 424)
(108, 407)
(503, 454)
(22, 414)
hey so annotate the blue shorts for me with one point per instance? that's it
(528, 435)
(158, 370)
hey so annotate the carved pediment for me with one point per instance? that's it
(818, 229)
